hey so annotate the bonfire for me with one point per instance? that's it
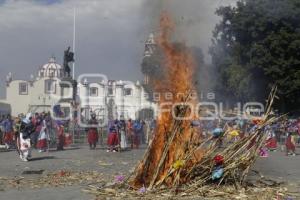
(178, 160)
(177, 155)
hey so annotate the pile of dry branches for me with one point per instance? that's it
(191, 176)
(192, 171)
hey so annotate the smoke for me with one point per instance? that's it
(195, 20)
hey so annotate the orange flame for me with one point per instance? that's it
(178, 66)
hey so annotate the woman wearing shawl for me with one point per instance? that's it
(42, 141)
(122, 129)
(112, 140)
(17, 126)
(8, 132)
(60, 135)
(129, 130)
(137, 129)
(290, 142)
(271, 142)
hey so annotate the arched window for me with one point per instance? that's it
(127, 91)
(93, 92)
(23, 88)
(50, 86)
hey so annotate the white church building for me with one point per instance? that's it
(106, 98)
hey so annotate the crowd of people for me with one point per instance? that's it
(283, 134)
(122, 133)
(41, 131)
(30, 131)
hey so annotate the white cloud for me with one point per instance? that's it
(108, 36)
(109, 33)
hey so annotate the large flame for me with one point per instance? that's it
(175, 87)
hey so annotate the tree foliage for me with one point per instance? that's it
(256, 45)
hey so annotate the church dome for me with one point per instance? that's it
(51, 69)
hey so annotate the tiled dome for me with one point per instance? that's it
(51, 69)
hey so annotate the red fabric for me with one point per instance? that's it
(219, 160)
(60, 137)
(113, 139)
(256, 121)
(41, 144)
(92, 136)
(289, 144)
(38, 128)
(68, 139)
(271, 143)
(8, 137)
(34, 121)
(136, 140)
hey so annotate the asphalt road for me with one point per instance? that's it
(276, 166)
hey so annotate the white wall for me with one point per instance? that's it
(37, 98)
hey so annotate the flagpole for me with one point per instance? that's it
(74, 37)
(73, 70)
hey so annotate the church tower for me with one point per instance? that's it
(150, 47)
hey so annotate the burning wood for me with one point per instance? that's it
(172, 159)
(173, 137)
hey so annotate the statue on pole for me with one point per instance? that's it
(68, 57)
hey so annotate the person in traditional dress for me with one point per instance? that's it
(2, 118)
(26, 129)
(290, 144)
(93, 131)
(17, 127)
(298, 130)
(36, 120)
(137, 130)
(49, 129)
(60, 135)
(112, 140)
(129, 131)
(43, 138)
(147, 131)
(122, 131)
(8, 137)
(271, 142)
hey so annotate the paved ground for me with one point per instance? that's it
(277, 166)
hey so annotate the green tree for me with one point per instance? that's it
(257, 45)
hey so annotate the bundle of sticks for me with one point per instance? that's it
(192, 171)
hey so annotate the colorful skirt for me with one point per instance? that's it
(92, 136)
(136, 139)
(271, 143)
(123, 142)
(290, 145)
(113, 139)
(42, 141)
(25, 147)
(68, 139)
(8, 138)
(60, 138)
